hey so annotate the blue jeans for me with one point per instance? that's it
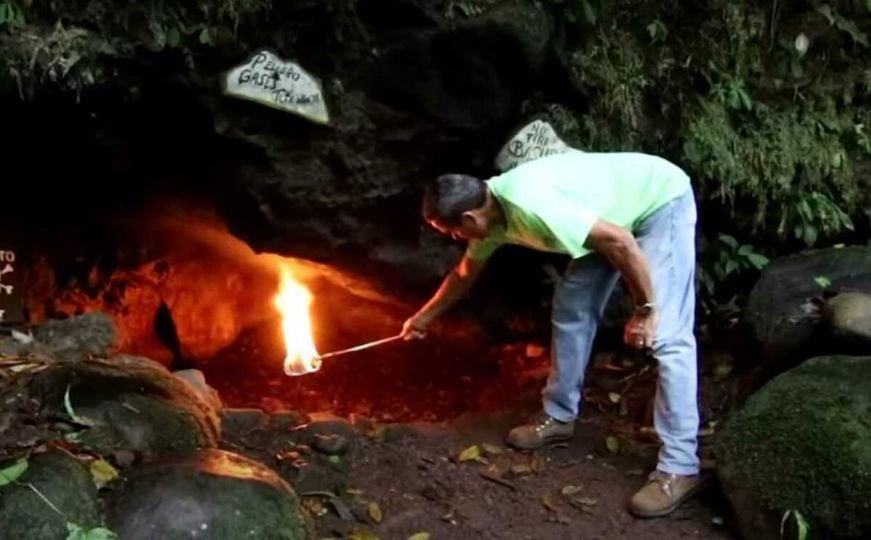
(667, 238)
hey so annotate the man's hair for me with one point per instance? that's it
(452, 195)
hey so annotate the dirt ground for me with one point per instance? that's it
(398, 480)
(414, 408)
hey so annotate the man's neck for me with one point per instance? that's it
(494, 212)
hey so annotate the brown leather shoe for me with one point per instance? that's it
(663, 493)
(542, 430)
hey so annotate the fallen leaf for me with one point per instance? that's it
(12, 472)
(548, 503)
(521, 469)
(586, 501)
(470, 453)
(492, 449)
(419, 536)
(613, 444)
(375, 512)
(355, 492)
(314, 507)
(102, 472)
(614, 397)
(363, 534)
(537, 464)
(587, 509)
(570, 490)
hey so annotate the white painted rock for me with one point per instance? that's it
(269, 80)
(536, 139)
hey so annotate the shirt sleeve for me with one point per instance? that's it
(568, 222)
(481, 250)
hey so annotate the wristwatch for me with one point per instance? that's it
(644, 309)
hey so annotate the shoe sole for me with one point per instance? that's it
(668, 510)
(547, 442)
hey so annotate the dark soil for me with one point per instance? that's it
(412, 473)
(409, 409)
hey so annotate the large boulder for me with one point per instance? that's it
(783, 307)
(127, 404)
(214, 494)
(61, 480)
(848, 317)
(803, 442)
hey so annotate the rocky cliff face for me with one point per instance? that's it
(413, 89)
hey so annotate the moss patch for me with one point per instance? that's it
(804, 442)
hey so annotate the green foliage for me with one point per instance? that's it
(657, 31)
(11, 14)
(612, 72)
(812, 215)
(584, 12)
(725, 259)
(12, 472)
(823, 282)
(801, 526)
(791, 159)
(76, 532)
(78, 44)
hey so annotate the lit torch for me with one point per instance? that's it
(293, 302)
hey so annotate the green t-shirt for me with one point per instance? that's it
(551, 203)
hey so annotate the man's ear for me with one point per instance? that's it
(470, 218)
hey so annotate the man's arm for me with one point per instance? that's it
(455, 285)
(620, 248)
(623, 252)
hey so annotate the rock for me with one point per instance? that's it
(73, 339)
(236, 422)
(130, 404)
(64, 482)
(212, 494)
(269, 80)
(333, 445)
(534, 140)
(433, 70)
(197, 380)
(849, 318)
(782, 309)
(802, 443)
(310, 433)
(286, 420)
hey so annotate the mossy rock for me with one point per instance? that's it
(64, 482)
(803, 442)
(128, 404)
(213, 494)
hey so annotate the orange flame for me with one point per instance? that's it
(293, 301)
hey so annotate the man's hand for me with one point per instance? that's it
(415, 327)
(640, 330)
